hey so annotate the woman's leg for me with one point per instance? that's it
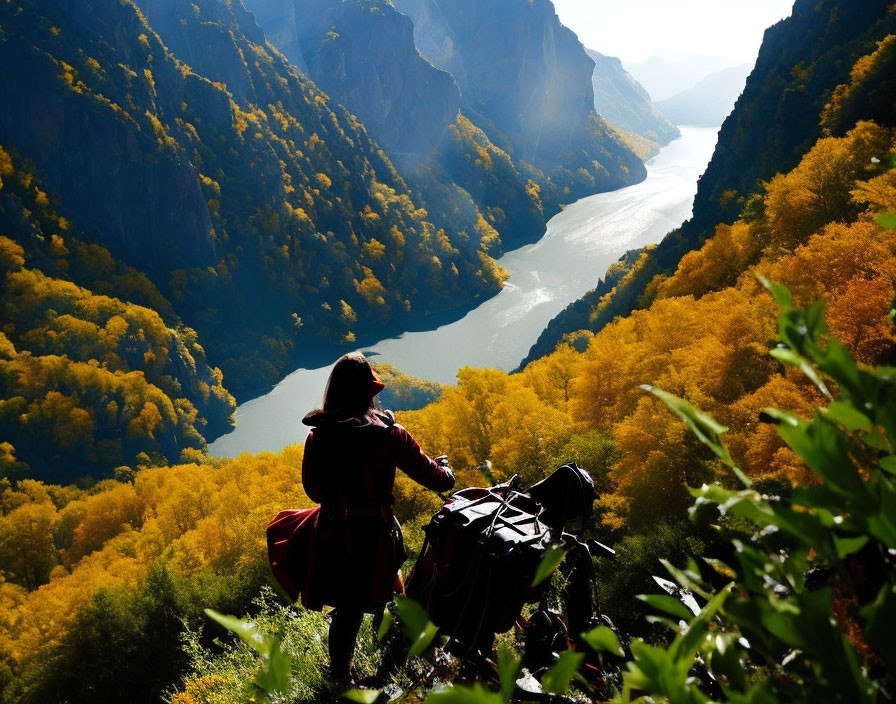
(344, 626)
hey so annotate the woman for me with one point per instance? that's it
(349, 468)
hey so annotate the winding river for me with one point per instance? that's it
(578, 246)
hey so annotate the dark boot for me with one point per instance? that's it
(344, 626)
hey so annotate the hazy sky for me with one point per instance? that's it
(635, 29)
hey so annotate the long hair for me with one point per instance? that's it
(350, 388)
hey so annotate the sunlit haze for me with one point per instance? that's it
(634, 30)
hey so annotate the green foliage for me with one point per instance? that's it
(812, 579)
(550, 562)
(704, 426)
(557, 679)
(362, 696)
(460, 694)
(603, 639)
(125, 636)
(276, 666)
(225, 673)
(415, 624)
(796, 611)
(629, 572)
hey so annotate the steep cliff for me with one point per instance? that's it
(277, 20)
(624, 103)
(362, 53)
(95, 375)
(776, 119)
(525, 80)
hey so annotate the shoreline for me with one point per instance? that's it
(580, 241)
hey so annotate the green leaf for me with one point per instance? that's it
(847, 415)
(825, 449)
(888, 463)
(362, 696)
(780, 293)
(687, 644)
(385, 624)
(509, 666)
(248, 631)
(707, 429)
(556, 680)
(667, 604)
(276, 670)
(688, 578)
(788, 356)
(551, 560)
(886, 220)
(416, 625)
(847, 546)
(602, 639)
(776, 415)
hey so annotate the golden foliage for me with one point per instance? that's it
(705, 338)
(64, 545)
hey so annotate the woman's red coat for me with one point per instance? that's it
(349, 468)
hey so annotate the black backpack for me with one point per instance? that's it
(482, 550)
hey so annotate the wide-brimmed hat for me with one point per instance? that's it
(376, 384)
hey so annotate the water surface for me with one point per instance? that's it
(578, 246)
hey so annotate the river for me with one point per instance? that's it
(580, 243)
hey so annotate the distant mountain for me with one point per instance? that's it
(624, 103)
(710, 101)
(525, 80)
(664, 76)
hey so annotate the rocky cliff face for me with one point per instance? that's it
(776, 119)
(624, 103)
(362, 53)
(142, 201)
(278, 20)
(526, 81)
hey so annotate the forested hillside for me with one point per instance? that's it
(808, 82)
(458, 158)
(114, 581)
(363, 55)
(98, 373)
(232, 175)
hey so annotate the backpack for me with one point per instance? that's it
(483, 548)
